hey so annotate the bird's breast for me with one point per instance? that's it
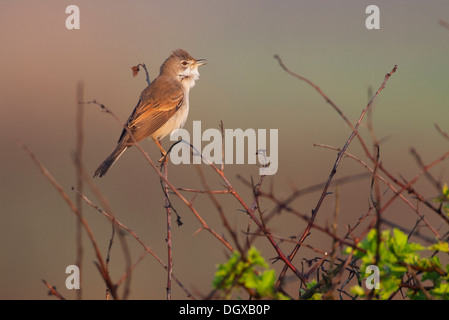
(175, 122)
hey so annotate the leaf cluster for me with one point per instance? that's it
(402, 267)
(250, 273)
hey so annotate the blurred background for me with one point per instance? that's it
(325, 41)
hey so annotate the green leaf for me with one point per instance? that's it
(358, 290)
(400, 239)
(266, 284)
(445, 191)
(442, 291)
(311, 284)
(440, 246)
(242, 272)
(255, 258)
(226, 272)
(395, 252)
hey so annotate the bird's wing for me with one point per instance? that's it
(154, 109)
(124, 131)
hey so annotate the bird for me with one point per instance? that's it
(163, 106)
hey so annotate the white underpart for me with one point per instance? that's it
(177, 121)
(190, 75)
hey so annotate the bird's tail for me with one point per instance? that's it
(107, 164)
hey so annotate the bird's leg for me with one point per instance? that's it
(164, 154)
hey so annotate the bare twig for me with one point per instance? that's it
(133, 234)
(168, 207)
(443, 133)
(419, 284)
(250, 211)
(337, 161)
(52, 291)
(408, 187)
(123, 242)
(220, 210)
(102, 267)
(136, 70)
(79, 179)
(205, 226)
(376, 201)
(128, 271)
(427, 174)
(391, 186)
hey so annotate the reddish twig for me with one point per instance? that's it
(203, 223)
(168, 207)
(79, 179)
(135, 236)
(52, 291)
(443, 133)
(337, 161)
(101, 265)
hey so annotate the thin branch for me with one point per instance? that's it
(136, 70)
(205, 226)
(301, 192)
(203, 191)
(102, 267)
(443, 133)
(250, 211)
(408, 187)
(79, 179)
(133, 234)
(52, 291)
(334, 169)
(419, 284)
(220, 210)
(123, 242)
(129, 270)
(427, 174)
(168, 207)
(395, 191)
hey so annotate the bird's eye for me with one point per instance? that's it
(184, 63)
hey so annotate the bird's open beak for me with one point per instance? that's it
(200, 62)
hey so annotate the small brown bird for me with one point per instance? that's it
(163, 106)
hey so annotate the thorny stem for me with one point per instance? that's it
(337, 161)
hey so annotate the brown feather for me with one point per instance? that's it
(156, 107)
